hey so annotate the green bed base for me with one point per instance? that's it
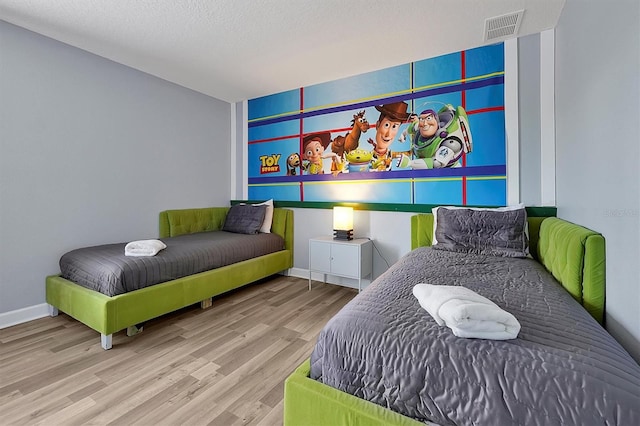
(308, 402)
(108, 315)
(573, 254)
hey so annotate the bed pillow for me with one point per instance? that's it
(494, 232)
(268, 216)
(434, 211)
(244, 219)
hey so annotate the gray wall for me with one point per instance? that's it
(597, 149)
(90, 152)
(241, 163)
(529, 119)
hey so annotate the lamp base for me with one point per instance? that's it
(341, 234)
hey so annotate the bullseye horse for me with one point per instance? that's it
(349, 142)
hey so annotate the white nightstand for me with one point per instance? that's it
(342, 258)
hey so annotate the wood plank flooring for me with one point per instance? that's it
(224, 365)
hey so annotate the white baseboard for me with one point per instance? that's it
(346, 282)
(299, 273)
(7, 319)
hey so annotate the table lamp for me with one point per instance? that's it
(343, 223)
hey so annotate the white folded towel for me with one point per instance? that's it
(144, 248)
(466, 313)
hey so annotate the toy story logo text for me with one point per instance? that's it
(269, 163)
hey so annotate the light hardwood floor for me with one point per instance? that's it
(224, 365)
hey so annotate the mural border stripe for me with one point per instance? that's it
(397, 98)
(532, 211)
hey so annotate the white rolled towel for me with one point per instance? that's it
(144, 248)
(466, 313)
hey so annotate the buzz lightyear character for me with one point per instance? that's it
(441, 139)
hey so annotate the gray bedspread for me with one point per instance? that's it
(563, 369)
(106, 269)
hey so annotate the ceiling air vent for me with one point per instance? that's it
(503, 26)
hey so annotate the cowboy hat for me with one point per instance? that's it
(396, 110)
(323, 137)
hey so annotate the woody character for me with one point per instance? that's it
(391, 118)
(313, 146)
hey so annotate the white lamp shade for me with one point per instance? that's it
(343, 218)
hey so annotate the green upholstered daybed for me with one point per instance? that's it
(573, 254)
(108, 315)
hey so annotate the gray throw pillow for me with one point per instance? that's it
(494, 233)
(244, 218)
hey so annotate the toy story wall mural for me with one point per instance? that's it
(428, 132)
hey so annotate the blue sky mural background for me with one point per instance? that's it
(473, 79)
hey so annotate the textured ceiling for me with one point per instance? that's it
(242, 49)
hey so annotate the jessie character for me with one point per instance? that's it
(313, 146)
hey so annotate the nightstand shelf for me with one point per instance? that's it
(349, 259)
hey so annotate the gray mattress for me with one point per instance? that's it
(563, 369)
(106, 269)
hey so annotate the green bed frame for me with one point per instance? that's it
(573, 254)
(108, 315)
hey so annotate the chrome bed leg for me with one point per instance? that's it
(53, 311)
(105, 341)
